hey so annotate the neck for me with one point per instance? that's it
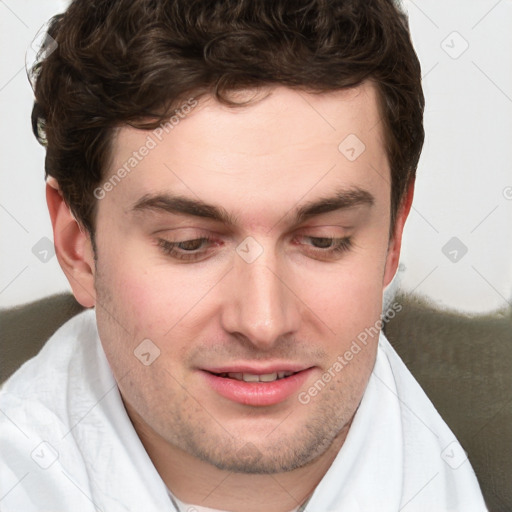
(199, 483)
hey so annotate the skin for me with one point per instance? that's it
(294, 303)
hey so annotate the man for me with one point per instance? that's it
(228, 185)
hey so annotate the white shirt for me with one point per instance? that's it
(67, 443)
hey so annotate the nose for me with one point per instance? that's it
(260, 304)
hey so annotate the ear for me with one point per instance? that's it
(395, 243)
(72, 246)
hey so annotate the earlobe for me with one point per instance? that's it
(395, 244)
(72, 246)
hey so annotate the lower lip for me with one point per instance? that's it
(257, 393)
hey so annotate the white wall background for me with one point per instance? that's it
(464, 185)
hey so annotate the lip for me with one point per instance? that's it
(258, 370)
(256, 393)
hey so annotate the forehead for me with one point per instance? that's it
(285, 146)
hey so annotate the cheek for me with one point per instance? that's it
(351, 307)
(151, 300)
(350, 295)
(156, 297)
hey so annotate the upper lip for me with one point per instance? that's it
(258, 370)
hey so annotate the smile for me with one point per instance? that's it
(256, 389)
(251, 377)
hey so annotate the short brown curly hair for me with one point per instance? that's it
(126, 61)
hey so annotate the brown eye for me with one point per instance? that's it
(190, 245)
(186, 249)
(327, 245)
(322, 243)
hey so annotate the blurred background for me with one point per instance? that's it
(457, 247)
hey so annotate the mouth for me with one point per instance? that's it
(253, 377)
(256, 388)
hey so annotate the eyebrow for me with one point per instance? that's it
(180, 205)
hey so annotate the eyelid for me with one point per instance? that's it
(338, 246)
(170, 249)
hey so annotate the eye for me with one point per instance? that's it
(328, 245)
(197, 248)
(186, 249)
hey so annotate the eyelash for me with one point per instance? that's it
(341, 245)
(169, 248)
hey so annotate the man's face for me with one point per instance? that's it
(267, 293)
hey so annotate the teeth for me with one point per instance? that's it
(268, 377)
(251, 377)
(248, 377)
